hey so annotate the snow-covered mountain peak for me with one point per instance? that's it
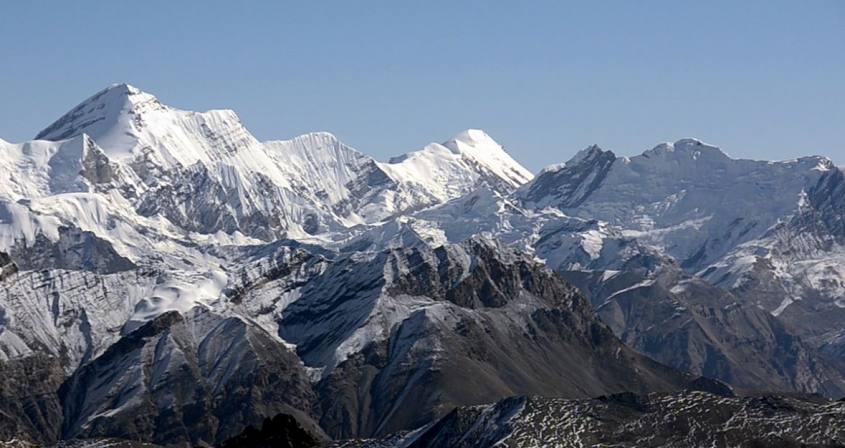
(321, 136)
(100, 112)
(823, 163)
(480, 148)
(569, 184)
(472, 137)
(206, 173)
(587, 155)
(130, 124)
(584, 157)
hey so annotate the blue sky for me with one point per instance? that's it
(761, 79)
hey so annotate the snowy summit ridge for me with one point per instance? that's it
(167, 269)
(312, 184)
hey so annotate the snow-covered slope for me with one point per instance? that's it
(206, 173)
(430, 274)
(203, 171)
(771, 233)
(365, 191)
(687, 197)
(133, 126)
(123, 180)
(796, 270)
(477, 147)
(42, 168)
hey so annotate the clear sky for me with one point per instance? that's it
(760, 79)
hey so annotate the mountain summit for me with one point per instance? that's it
(312, 184)
(167, 277)
(101, 113)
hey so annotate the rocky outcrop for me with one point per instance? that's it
(75, 249)
(281, 431)
(686, 323)
(197, 378)
(29, 405)
(629, 420)
(571, 184)
(410, 333)
(7, 266)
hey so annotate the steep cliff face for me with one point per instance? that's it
(569, 185)
(795, 271)
(685, 322)
(29, 382)
(29, 404)
(7, 266)
(185, 379)
(404, 335)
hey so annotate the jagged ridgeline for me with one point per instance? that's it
(166, 278)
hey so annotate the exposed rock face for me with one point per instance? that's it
(75, 249)
(281, 431)
(823, 211)
(629, 420)
(797, 269)
(647, 299)
(72, 316)
(29, 407)
(570, 185)
(7, 266)
(199, 201)
(409, 333)
(29, 404)
(147, 274)
(185, 380)
(686, 323)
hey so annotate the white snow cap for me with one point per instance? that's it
(472, 137)
(97, 112)
(482, 149)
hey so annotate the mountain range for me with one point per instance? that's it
(168, 278)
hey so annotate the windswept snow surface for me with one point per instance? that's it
(126, 208)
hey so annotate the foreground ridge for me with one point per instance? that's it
(655, 420)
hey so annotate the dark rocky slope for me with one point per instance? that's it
(628, 420)
(186, 379)
(483, 322)
(687, 323)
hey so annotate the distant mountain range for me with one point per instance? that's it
(168, 278)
